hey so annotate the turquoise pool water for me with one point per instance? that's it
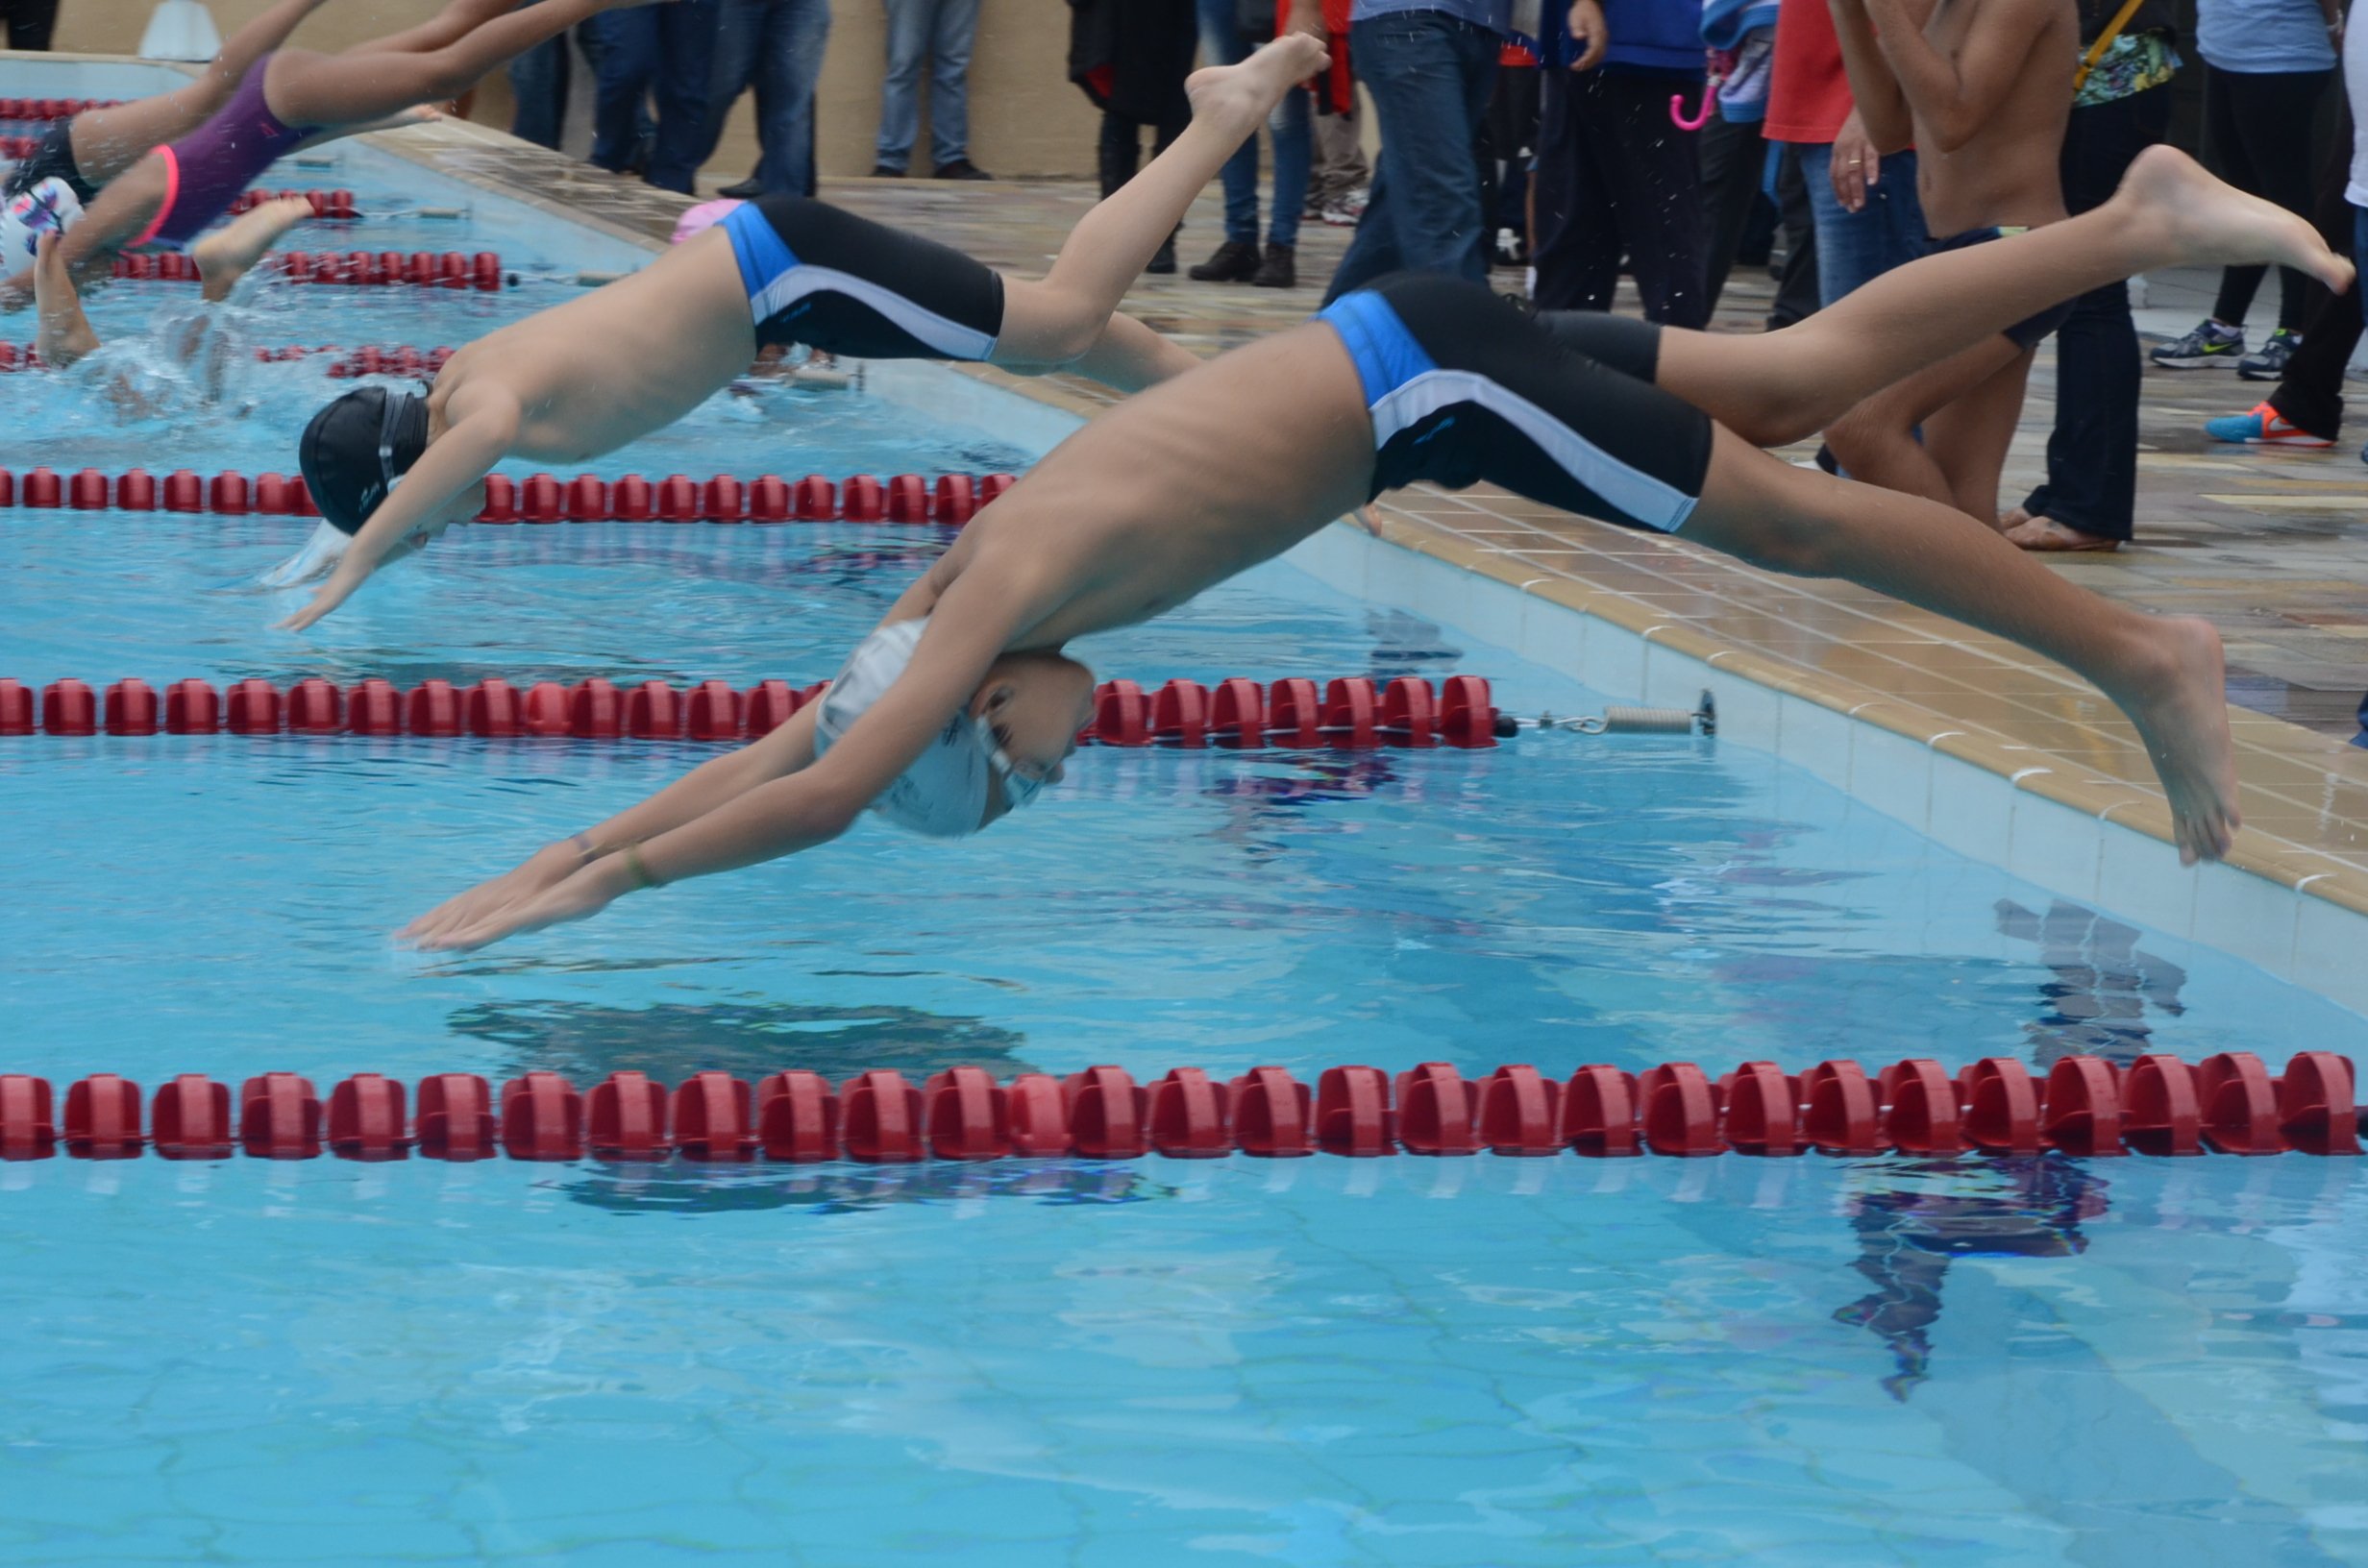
(1403, 1361)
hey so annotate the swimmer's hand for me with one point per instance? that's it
(64, 335)
(521, 884)
(328, 596)
(578, 896)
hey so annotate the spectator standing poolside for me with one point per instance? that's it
(663, 51)
(777, 47)
(1340, 178)
(1864, 207)
(31, 22)
(2266, 64)
(538, 83)
(2090, 499)
(1617, 175)
(1430, 66)
(1229, 30)
(938, 33)
(1130, 57)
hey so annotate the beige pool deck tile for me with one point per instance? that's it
(2269, 545)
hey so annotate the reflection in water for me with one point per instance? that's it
(1926, 1212)
(680, 1188)
(585, 1042)
(2096, 1005)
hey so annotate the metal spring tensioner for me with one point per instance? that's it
(1702, 720)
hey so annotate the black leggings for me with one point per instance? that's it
(2258, 127)
(30, 22)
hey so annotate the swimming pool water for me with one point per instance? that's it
(1403, 1361)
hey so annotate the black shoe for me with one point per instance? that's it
(1163, 260)
(747, 190)
(1279, 270)
(962, 168)
(1236, 262)
(882, 171)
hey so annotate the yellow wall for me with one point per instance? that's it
(1025, 118)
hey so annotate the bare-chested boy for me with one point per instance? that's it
(587, 377)
(961, 707)
(1982, 90)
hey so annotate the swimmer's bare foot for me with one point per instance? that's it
(2044, 534)
(2179, 702)
(2204, 221)
(229, 252)
(1235, 98)
(64, 335)
(1369, 518)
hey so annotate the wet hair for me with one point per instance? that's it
(357, 448)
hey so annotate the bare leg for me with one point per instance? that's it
(1969, 438)
(65, 334)
(229, 252)
(2166, 673)
(124, 209)
(1779, 387)
(337, 90)
(107, 141)
(1131, 357)
(447, 27)
(1876, 441)
(1061, 317)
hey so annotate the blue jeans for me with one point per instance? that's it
(939, 31)
(538, 83)
(666, 52)
(776, 46)
(1430, 75)
(1853, 247)
(1290, 126)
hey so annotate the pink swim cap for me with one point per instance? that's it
(705, 215)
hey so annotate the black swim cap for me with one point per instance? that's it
(357, 448)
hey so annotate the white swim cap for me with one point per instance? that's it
(943, 794)
(42, 208)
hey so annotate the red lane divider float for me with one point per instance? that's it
(1406, 712)
(326, 203)
(950, 499)
(345, 364)
(349, 269)
(2086, 1106)
(24, 111)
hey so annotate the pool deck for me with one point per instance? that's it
(2270, 546)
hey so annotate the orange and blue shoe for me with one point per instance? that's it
(2262, 426)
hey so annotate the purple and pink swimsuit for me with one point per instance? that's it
(213, 166)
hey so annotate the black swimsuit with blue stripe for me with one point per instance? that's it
(824, 277)
(1465, 388)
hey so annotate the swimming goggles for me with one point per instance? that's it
(1022, 785)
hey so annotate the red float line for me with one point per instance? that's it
(1352, 712)
(326, 203)
(25, 110)
(2086, 1106)
(423, 269)
(348, 363)
(951, 499)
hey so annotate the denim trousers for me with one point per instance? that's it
(777, 47)
(1291, 128)
(2092, 452)
(538, 87)
(666, 53)
(938, 32)
(1430, 75)
(1853, 247)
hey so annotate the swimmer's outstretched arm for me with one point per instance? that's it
(753, 806)
(65, 334)
(485, 424)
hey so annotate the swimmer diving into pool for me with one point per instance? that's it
(287, 99)
(588, 375)
(962, 707)
(85, 150)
